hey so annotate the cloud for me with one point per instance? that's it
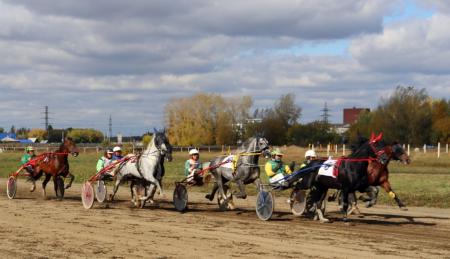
(87, 60)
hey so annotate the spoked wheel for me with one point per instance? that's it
(180, 197)
(59, 188)
(298, 202)
(11, 187)
(100, 191)
(265, 204)
(227, 203)
(87, 195)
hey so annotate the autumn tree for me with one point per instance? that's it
(37, 133)
(205, 119)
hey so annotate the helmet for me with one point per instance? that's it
(29, 148)
(277, 152)
(109, 151)
(310, 153)
(193, 151)
(117, 148)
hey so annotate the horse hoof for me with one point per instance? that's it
(209, 197)
(324, 220)
(33, 188)
(67, 187)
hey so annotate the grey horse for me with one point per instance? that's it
(245, 171)
(145, 169)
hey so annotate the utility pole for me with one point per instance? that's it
(325, 114)
(110, 128)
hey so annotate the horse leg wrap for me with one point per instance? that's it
(392, 194)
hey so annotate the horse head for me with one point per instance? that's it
(162, 143)
(69, 146)
(262, 146)
(399, 154)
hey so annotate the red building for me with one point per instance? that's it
(351, 114)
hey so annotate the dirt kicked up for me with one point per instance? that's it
(32, 227)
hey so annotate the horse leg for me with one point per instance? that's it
(210, 196)
(319, 212)
(387, 187)
(345, 194)
(44, 184)
(72, 177)
(241, 194)
(116, 188)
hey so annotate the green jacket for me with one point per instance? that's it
(102, 162)
(190, 163)
(274, 167)
(26, 158)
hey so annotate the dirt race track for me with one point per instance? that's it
(36, 228)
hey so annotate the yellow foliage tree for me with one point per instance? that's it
(37, 133)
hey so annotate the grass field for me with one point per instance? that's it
(425, 182)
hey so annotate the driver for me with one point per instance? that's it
(192, 165)
(117, 153)
(310, 155)
(276, 169)
(105, 160)
(26, 158)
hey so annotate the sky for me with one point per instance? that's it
(89, 59)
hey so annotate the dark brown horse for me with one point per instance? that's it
(56, 165)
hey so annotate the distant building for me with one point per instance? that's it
(351, 114)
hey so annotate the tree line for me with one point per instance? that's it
(210, 119)
(79, 135)
(409, 115)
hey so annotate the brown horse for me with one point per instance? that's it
(56, 165)
(378, 173)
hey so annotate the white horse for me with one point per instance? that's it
(147, 168)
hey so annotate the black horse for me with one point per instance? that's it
(352, 175)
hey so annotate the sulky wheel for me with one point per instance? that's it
(87, 195)
(298, 202)
(59, 188)
(227, 203)
(101, 191)
(265, 204)
(11, 187)
(180, 197)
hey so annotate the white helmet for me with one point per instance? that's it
(193, 151)
(117, 148)
(310, 153)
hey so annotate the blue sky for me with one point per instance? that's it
(87, 60)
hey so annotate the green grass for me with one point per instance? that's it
(425, 182)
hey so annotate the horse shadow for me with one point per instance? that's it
(374, 219)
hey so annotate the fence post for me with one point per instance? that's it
(409, 153)
(209, 149)
(312, 146)
(446, 148)
(328, 150)
(424, 148)
(439, 149)
(335, 149)
(343, 149)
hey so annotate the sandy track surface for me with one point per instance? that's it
(32, 227)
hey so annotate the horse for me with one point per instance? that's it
(351, 174)
(244, 167)
(144, 169)
(378, 175)
(55, 164)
